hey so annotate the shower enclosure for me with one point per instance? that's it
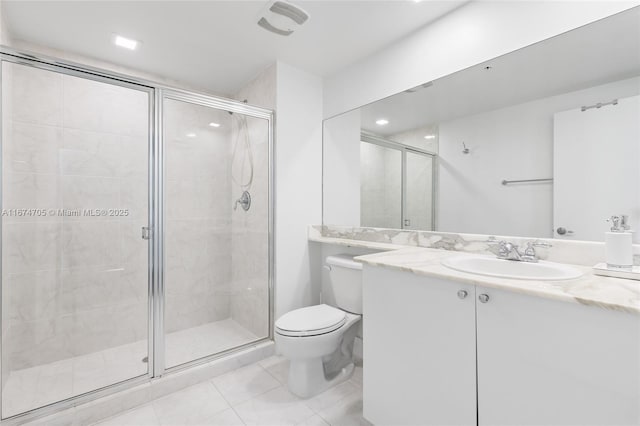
(397, 185)
(125, 255)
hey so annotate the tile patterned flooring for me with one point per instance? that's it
(38, 386)
(253, 395)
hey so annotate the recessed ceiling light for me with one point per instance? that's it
(382, 122)
(212, 124)
(127, 43)
(191, 135)
(430, 137)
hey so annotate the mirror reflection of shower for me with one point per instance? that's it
(242, 162)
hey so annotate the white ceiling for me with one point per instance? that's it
(216, 45)
(602, 52)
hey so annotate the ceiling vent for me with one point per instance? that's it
(282, 18)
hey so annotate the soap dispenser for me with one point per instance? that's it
(619, 244)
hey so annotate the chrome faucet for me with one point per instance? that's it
(509, 251)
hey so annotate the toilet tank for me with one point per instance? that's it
(345, 276)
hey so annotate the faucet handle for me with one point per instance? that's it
(504, 248)
(530, 254)
(530, 250)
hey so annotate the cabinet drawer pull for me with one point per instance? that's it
(462, 294)
(484, 298)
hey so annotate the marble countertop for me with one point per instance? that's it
(590, 289)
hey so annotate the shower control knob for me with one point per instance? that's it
(484, 298)
(462, 294)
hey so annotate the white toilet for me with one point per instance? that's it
(318, 340)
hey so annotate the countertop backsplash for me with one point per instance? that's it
(586, 253)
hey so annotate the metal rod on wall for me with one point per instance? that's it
(599, 105)
(508, 182)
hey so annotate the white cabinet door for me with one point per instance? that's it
(419, 350)
(546, 362)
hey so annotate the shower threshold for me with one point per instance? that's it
(44, 384)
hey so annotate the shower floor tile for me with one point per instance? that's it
(197, 342)
(45, 384)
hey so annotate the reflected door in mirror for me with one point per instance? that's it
(596, 158)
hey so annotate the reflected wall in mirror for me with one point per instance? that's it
(541, 142)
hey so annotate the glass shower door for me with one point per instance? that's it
(216, 248)
(75, 307)
(380, 186)
(418, 192)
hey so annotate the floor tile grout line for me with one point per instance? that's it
(155, 412)
(337, 402)
(271, 374)
(227, 401)
(254, 396)
(229, 406)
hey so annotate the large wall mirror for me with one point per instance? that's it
(541, 142)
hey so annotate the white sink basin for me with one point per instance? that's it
(494, 267)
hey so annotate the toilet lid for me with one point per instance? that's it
(312, 320)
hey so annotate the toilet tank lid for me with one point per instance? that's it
(344, 261)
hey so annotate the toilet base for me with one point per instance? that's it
(319, 362)
(307, 377)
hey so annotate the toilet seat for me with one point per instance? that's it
(310, 321)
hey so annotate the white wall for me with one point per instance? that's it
(341, 162)
(5, 37)
(298, 184)
(509, 143)
(476, 32)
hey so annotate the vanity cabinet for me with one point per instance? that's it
(419, 350)
(433, 357)
(549, 362)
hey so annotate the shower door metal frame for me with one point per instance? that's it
(404, 149)
(156, 296)
(49, 64)
(163, 94)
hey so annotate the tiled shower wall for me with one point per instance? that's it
(198, 224)
(380, 186)
(72, 285)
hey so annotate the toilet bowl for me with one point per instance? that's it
(318, 340)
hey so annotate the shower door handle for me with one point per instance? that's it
(146, 233)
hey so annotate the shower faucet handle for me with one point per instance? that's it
(244, 201)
